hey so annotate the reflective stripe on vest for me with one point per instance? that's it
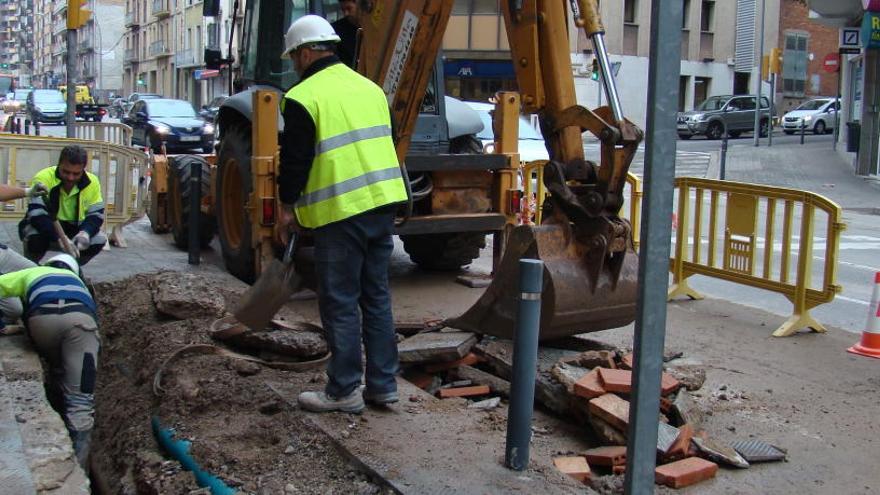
(355, 167)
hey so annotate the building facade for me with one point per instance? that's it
(16, 48)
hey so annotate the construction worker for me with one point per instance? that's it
(339, 176)
(347, 27)
(10, 261)
(74, 200)
(61, 320)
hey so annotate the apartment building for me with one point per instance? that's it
(15, 50)
(164, 49)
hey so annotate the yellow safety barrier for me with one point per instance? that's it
(119, 169)
(109, 132)
(737, 214)
(533, 184)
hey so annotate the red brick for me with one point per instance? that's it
(589, 386)
(668, 384)
(618, 469)
(665, 405)
(446, 393)
(612, 409)
(616, 380)
(574, 466)
(626, 362)
(606, 456)
(679, 449)
(470, 359)
(685, 472)
(421, 380)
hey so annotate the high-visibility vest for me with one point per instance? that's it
(355, 167)
(83, 201)
(45, 284)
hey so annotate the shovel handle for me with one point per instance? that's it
(291, 247)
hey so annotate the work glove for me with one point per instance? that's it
(74, 250)
(39, 189)
(81, 240)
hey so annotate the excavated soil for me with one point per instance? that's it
(240, 429)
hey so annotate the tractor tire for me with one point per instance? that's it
(444, 252)
(233, 188)
(179, 193)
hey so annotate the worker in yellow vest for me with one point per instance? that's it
(339, 176)
(74, 199)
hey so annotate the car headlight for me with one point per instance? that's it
(808, 118)
(698, 117)
(162, 129)
(208, 129)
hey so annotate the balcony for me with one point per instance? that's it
(60, 26)
(160, 49)
(129, 56)
(130, 20)
(187, 58)
(85, 45)
(60, 6)
(707, 46)
(161, 9)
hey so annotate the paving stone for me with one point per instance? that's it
(719, 452)
(182, 296)
(474, 281)
(666, 437)
(574, 466)
(758, 451)
(691, 376)
(568, 375)
(470, 359)
(612, 409)
(436, 346)
(685, 410)
(685, 472)
(612, 455)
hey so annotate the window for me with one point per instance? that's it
(629, 11)
(685, 15)
(794, 64)
(486, 7)
(461, 7)
(707, 15)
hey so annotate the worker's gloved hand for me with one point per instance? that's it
(73, 248)
(39, 189)
(81, 240)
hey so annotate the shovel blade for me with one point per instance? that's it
(262, 300)
(571, 303)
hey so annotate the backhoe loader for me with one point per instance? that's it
(587, 248)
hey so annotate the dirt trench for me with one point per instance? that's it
(241, 430)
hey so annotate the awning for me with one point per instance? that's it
(201, 74)
(840, 10)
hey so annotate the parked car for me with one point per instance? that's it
(733, 113)
(132, 98)
(817, 115)
(209, 111)
(530, 144)
(17, 102)
(155, 121)
(46, 105)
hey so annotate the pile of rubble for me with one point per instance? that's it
(589, 383)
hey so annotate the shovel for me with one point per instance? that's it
(259, 304)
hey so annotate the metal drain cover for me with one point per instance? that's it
(758, 451)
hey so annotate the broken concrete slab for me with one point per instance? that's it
(611, 409)
(485, 405)
(591, 359)
(758, 451)
(183, 296)
(435, 346)
(691, 376)
(666, 437)
(685, 472)
(612, 455)
(496, 385)
(286, 343)
(719, 452)
(568, 375)
(607, 434)
(474, 281)
(685, 410)
(470, 359)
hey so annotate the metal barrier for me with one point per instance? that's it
(533, 183)
(109, 132)
(737, 214)
(119, 169)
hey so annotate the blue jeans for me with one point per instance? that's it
(351, 261)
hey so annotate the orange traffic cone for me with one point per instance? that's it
(870, 343)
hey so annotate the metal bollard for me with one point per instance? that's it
(723, 171)
(803, 128)
(525, 365)
(27, 126)
(195, 202)
(37, 128)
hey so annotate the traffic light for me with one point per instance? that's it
(77, 14)
(4, 66)
(594, 75)
(776, 61)
(765, 68)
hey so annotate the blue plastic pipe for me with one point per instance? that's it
(179, 450)
(525, 365)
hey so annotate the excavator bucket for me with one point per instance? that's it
(579, 296)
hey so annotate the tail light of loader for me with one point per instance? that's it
(268, 217)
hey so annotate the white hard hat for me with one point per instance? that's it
(64, 259)
(308, 29)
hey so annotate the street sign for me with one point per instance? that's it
(829, 63)
(849, 38)
(871, 30)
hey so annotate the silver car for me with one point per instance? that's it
(818, 115)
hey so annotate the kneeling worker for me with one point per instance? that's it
(10, 261)
(62, 323)
(74, 199)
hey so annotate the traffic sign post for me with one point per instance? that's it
(830, 63)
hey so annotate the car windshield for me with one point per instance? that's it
(170, 108)
(526, 131)
(812, 105)
(21, 95)
(48, 97)
(713, 103)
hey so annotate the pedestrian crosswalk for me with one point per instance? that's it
(687, 163)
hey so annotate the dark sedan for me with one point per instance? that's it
(172, 122)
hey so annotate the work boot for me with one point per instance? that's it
(321, 402)
(381, 399)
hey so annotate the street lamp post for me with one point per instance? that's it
(760, 82)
